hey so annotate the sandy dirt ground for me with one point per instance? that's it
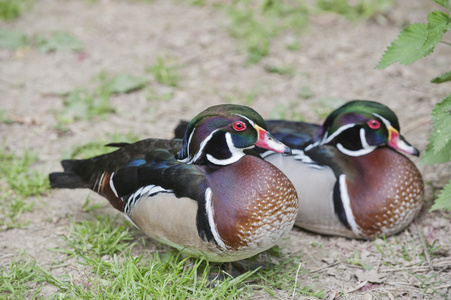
(335, 61)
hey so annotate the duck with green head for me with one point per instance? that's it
(351, 172)
(209, 195)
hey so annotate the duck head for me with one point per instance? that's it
(359, 127)
(221, 134)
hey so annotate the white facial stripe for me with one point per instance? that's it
(363, 139)
(189, 141)
(347, 205)
(224, 162)
(201, 147)
(186, 159)
(366, 148)
(112, 185)
(386, 122)
(249, 120)
(311, 146)
(211, 221)
(237, 153)
(355, 153)
(337, 132)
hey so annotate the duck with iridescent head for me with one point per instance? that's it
(209, 195)
(352, 173)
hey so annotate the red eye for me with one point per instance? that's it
(239, 126)
(374, 124)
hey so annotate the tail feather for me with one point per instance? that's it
(67, 180)
(71, 178)
(68, 164)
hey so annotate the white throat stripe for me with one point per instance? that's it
(211, 220)
(347, 205)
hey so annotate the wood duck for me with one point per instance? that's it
(349, 173)
(210, 194)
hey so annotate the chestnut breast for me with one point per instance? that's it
(254, 203)
(386, 191)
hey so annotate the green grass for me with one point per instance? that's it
(13, 9)
(4, 118)
(165, 71)
(16, 280)
(86, 104)
(113, 264)
(103, 236)
(18, 173)
(18, 180)
(254, 23)
(98, 147)
(358, 10)
(281, 70)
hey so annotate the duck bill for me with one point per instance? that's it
(397, 141)
(267, 141)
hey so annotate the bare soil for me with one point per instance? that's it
(335, 60)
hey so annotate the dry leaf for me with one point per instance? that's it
(370, 276)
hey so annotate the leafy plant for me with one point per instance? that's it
(12, 39)
(58, 41)
(415, 42)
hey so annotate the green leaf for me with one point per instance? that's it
(445, 3)
(408, 48)
(443, 200)
(437, 26)
(12, 39)
(124, 83)
(439, 147)
(436, 157)
(58, 41)
(442, 78)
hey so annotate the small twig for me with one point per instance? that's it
(446, 43)
(417, 268)
(325, 267)
(358, 287)
(443, 286)
(296, 280)
(398, 283)
(311, 258)
(425, 247)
